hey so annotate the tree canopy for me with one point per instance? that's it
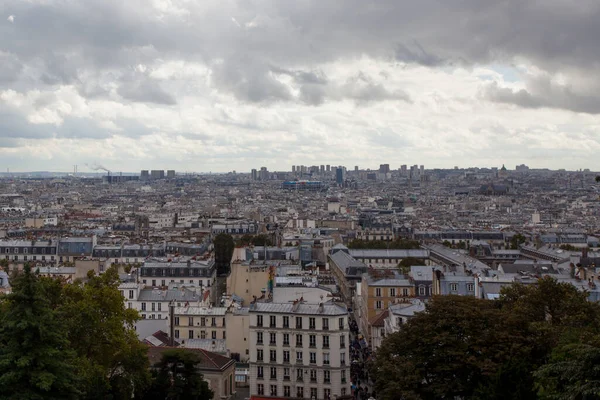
(526, 345)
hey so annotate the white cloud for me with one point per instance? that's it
(11, 19)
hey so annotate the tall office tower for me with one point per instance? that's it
(356, 169)
(264, 174)
(144, 175)
(328, 168)
(403, 170)
(322, 169)
(293, 168)
(384, 168)
(157, 174)
(254, 174)
(299, 350)
(422, 168)
(171, 174)
(339, 176)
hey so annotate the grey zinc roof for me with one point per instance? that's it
(167, 295)
(306, 309)
(344, 261)
(376, 253)
(408, 309)
(209, 311)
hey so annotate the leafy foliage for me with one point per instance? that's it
(527, 345)
(176, 377)
(36, 360)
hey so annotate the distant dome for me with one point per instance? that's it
(503, 168)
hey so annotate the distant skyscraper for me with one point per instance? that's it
(144, 175)
(264, 174)
(293, 168)
(254, 174)
(328, 168)
(157, 174)
(322, 168)
(422, 168)
(384, 168)
(356, 169)
(339, 176)
(403, 170)
(171, 174)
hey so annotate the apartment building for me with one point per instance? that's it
(379, 290)
(377, 258)
(200, 323)
(192, 272)
(299, 350)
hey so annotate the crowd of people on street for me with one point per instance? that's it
(360, 355)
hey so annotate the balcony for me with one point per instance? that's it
(326, 380)
(272, 343)
(325, 345)
(273, 378)
(300, 379)
(286, 326)
(259, 377)
(326, 328)
(286, 378)
(259, 342)
(313, 379)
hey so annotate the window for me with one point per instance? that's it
(286, 374)
(313, 375)
(153, 306)
(272, 338)
(405, 292)
(325, 358)
(313, 393)
(259, 320)
(273, 355)
(298, 356)
(453, 287)
(298, 340)
(378, 305)
(273, 373)
(392, 292)
(213, 321)
(260, 388)
(378, 292)
(311, 323)
(259, 355)
(421, 290)
(176, 333)
(325, 342)
(300, 392)
(327, 393)
(272, 321)
(259, 371)
(214, 334)
(273, 390)
(159, 306)
(259, 338)
(299, 374)
(399, 321)
(326, 377)
(190, 321)
(343, 341)
(343, 358)
(325, 324)
(286, 391)
(144, 308)
(312, 341)
(286, 322)
(343, 391)
(341, 323)
(286, 339)
(313, 357)
(176, 320)
(286, 356)
(224, 335)
(131, 294)
(202, 334)
(202, 321)
(470, 287)
(298, 322)
(190, 334)
(343, 376)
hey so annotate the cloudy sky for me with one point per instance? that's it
(223, 85)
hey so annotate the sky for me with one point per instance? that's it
(201, 86)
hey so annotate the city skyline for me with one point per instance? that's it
(228, 86)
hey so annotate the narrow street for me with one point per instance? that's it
(362, 386)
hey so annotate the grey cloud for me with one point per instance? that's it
(415, 53)
(542, 92)
(146, 91)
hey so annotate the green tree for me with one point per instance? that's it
(36, 359)
(224, 247)
(573, 372)
(406, 263)
(516, 241)
(177, 377)
(101, 331)
(448, 351)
